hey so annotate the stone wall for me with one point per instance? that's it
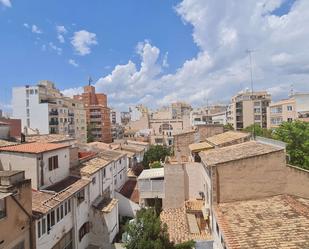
(297, 181)
(209, 130)
(181, 144)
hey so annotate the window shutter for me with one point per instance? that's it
(50, 164)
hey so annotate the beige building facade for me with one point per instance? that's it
(249, 108)
(294, 108)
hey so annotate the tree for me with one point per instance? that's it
(90, 137)
(296, 135)
(154, 154)
(155, 165)
(147, 232)
(228, 127)
(258, 131)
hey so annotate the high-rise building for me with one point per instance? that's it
(249, 108)
(43, 109)
(98, 114)
(287, 110)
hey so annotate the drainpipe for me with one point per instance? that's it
(30, 220)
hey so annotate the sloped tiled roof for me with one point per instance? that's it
(33, 148)
(237, 152)
(227, 137)
(274, 222)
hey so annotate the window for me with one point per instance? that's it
(80, 196)
(93, 180)
(61, 211)
(52, 218)
(289, 108)
(39, 229)
(217, 228)
(31, 91)
(290, 119)
(65, 242)
(69, 206)
(48, 222)
(58, 214)
(28, 112)
(43, 226)
(2, 208)
(28, 122)
(27, 102)
(53, 163)
(104, 172)
(65, 208)
(83, 230)
(120, 161)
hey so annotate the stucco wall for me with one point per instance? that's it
(174, 185)
(251, 178)
(194, 182)
(181, 144)
(126, 206)
(14, 228)
(297, 181)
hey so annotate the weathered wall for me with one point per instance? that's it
(250, 178)
(194, 182)
(14, 228)
(181, 144)
(297, 181)
(174, 185)
(209, 130)
(126, 206)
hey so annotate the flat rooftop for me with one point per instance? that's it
(227, 137)
(274, 222)
(237, 152)
(33, 148)
(151, 173)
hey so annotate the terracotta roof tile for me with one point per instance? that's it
(33, 148)
(274, 222)
(236, 152)
(227, 137)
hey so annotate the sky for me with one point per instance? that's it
(156, 51)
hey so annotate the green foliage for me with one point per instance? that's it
(228, 127)
(147, 232)
(157, 206)
(155, 165)
(296, 135)
(154, 154)
(258, 131)
(90, 137)
(186, 245)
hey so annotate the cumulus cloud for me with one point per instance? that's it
(61, 30)
(6, 3)
(73, 63)
(35, 29)
(82, 41)
(223, 31)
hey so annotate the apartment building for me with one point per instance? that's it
(73, 203)
(98, 114)
(44, 110)
(15, 211)
(249, 108)
(213, 114)
(294, 108)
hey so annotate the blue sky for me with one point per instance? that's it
(154, 51)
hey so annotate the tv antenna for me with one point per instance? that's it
(89, 80)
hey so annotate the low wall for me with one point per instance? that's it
(297, 181)
(126, 206)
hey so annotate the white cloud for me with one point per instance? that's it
(26, 25)
(61, 30)
(6, 3)
(35, 29)
(73, 63)
(82, 41)
(223, 31)
(165, 62)
(52, 46)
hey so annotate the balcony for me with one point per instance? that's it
(71, 114)
(53, 122)
(53, 113)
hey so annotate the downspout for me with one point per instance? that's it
(30, 220)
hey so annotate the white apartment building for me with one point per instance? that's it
(71, 211)
(44, 109)
(287, 110)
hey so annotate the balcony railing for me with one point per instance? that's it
(53, 113)
(53, 122)
(71, 114)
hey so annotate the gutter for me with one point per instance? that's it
(30, 220)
